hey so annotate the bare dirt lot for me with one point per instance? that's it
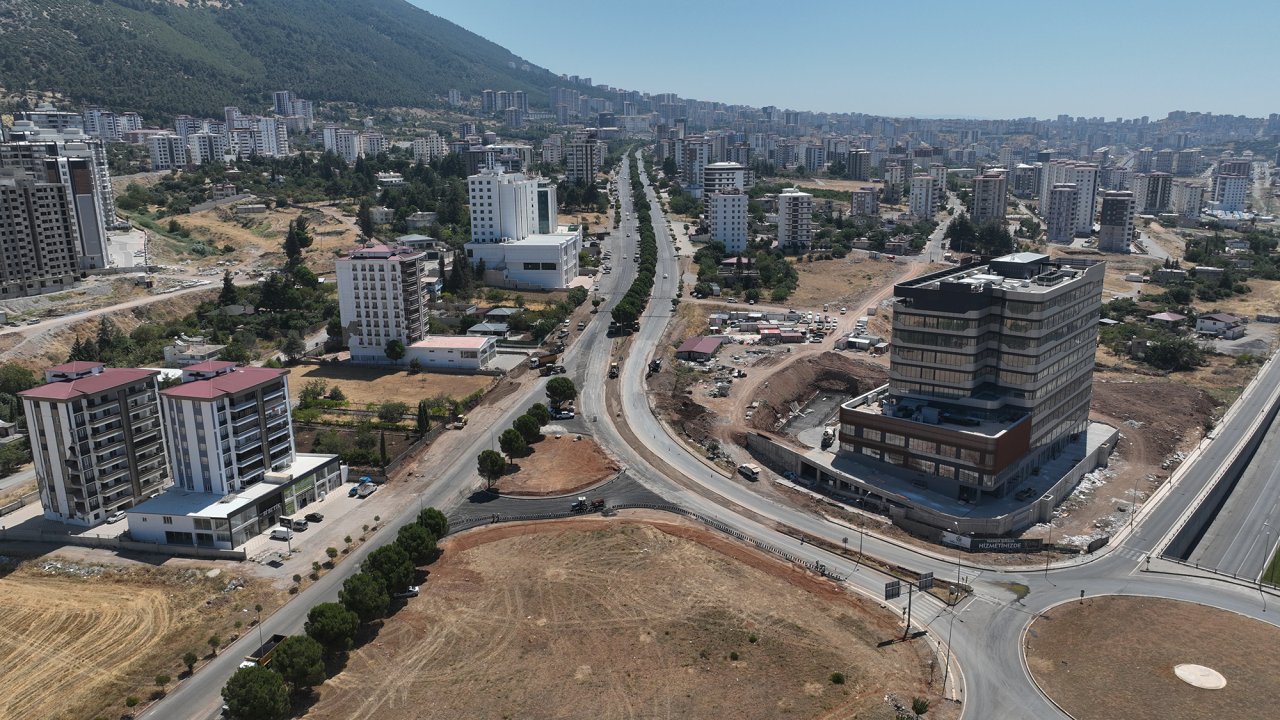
(606, 619)
(1109, 658)
(77, 638)
(363, 384)
(558, 466)
(260, 237)
(843, 282)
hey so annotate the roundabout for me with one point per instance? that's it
(1141, 657)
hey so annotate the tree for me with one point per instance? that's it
(312, 391)
(292, 247)
(512, 443)
(961, 233)
(435, 522)
(335, 394)
(423, 420)
(561, 390)
(161, 681)
(333, 626)
(395, 350)
(539, 412)
(230, 295)
(189, 659)
(294, 347)
(331, 553)
(919, 706)
(214, 642)
(300, 661)
(256, 693)
(392, 411)
(528, 427)
(491, 465)
(365, 595)
(417, 542)
(393, 565)
(364, 219)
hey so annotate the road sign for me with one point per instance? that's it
(926, 581)
(892, 589)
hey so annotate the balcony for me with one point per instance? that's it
(244, 405)
(242, 420)
(275, 395)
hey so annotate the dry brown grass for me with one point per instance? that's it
(366, 384)
(558, 467)
(609, 619)
(841, 282)
(74, 647)
(1114, 656)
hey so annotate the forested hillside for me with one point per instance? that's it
(161, 58)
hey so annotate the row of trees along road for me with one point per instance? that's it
(633, 303)
(301, 662)
(524, 430)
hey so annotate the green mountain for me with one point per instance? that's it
(161, 58)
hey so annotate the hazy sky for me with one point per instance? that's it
(980, 58)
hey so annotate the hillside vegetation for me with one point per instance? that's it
(163, 58)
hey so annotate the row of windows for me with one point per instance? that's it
(1019, 343)
(934, 323)
(928, 467)
(934, 357)
(1024, 307)
(1062, 314)
(919, 445)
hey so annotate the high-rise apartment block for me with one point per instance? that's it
(228, 426)
(727, 212)
(724, 176)
(795, 219)
(509, 214)
(168, 151)
(382, 296)
(1229, 192)
(1153, 192)
(924, 202)
(1060, 211)
(864, 202)
(206, 147)
(990, 374)
(584, 156)
(342, 142)
(503, 205)
(429, 147)
(1085, 177)
(39, 235)
(989, 203)
(1117, 226)
(858, 164)
(1187, 199)
(96, 440)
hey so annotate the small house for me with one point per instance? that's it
(1167, 319)
(1221, 325)
(699, 349)
(491, 329)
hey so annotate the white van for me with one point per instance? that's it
(749, 471)
(281, 533)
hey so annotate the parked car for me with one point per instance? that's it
(314, 517)
(411, 592)
(116, 516)
(564, 415)
(281, 533)
(355, 490)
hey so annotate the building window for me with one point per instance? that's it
(894, 439)
(167, 520)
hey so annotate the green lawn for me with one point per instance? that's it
(1272, 575)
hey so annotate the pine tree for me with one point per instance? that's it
(229, 295)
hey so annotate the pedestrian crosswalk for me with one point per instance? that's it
(1130, 553)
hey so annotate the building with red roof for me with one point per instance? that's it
(97, 440)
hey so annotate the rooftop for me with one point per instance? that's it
(453, 342)
(101, 381)
(701, 345)
(176, 501)
(380, 251)
(236, 381)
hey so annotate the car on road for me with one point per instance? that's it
(314, 516)
(564, 415)
(410, 592)
(116, 516)
(664, 276)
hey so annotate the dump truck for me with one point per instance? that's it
(539, 360)
(262, 656)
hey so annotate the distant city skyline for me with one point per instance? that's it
(987, 60)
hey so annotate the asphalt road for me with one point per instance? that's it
(986, 629)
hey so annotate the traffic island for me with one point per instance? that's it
(1154, 658)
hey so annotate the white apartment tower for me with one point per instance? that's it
(795, 219)
(228, 426)
(1188, 199)
(382, 296)
(723, 176)
(206, 147)
(342, 142)
(1085, 177)
(96, 439)
(429, 147)
(1229, 192)
(727, 211)
(503, 206)
(989, 198)
(924, 201)
(1059, 214)
(1119, 210)
(168, 151)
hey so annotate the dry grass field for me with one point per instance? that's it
(1110, 658)
(618, 619)
(843, 282)
(558, 466)
(77, 639)
(368, 384)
